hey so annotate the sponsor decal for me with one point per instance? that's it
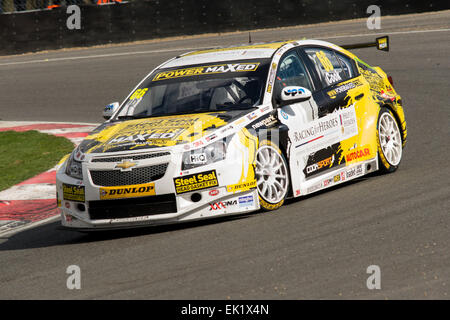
(271, 77)
(252, 116)
(214, 192)
(321, 164)
(245, 201)
(227, 128)
(150, 135)
(284, 114)
(242, 186)
(342, 176)
(347, 120)
(282, 50)
(332, 77)
(212, 69)
(297, 192)
(151, 131)
(324, 61)
(196, 181)
(344, 87)
(266, 122)
(197, 158)
(221, 205)
(238, 122)
(67, 217)
(73, 193)
(132, 191)
(359, 153)
(337, 178)
(138, 94)
(293, 92)
(382, 43)
(359, 170)
(328, 182)
(211, 137)
(316, 130)
(351, 173)
(264, 109)
(315, 187)
(198, 143)
(323, 159)
(337, 126)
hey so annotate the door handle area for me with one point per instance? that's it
(359, 96)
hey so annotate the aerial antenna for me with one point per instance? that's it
(249, 38)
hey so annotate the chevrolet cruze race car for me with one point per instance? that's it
(233, 130)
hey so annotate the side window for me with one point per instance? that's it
(291, 72)
(346, 65)
(327, 65)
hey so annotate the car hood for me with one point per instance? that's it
(156, 131)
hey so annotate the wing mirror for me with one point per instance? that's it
(110, 109)
(294, 94)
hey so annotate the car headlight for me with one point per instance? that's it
(211, 153)
(73, 168)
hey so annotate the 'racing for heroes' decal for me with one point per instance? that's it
(133, 191)
(332, 128)
(197, 181)
(195, 71)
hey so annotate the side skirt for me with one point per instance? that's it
(337, 176)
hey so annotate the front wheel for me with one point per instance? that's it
(389, 141)
(272, 176)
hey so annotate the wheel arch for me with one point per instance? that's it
(391, 108)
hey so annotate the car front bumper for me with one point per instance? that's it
(86, 205)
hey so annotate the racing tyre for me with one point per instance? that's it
(272, 178)
(389, 141)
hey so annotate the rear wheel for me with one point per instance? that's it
(272, 177)
(389, 141)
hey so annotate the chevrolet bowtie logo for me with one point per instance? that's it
(125, 165)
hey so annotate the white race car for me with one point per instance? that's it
(232, 130)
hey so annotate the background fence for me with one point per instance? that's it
(140, 20)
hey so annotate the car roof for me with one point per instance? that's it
(242, 52)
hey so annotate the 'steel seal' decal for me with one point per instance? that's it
(197, 181)
(73, 193)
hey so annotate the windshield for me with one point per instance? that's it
(193, 89)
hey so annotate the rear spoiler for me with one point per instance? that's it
(382, 43)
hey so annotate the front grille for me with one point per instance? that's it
(136, 207)
(112, 178)
(132, 156)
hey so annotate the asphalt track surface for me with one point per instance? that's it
(318, 247)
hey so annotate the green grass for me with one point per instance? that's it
(26, 154)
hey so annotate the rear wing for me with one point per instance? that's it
(382, 43)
